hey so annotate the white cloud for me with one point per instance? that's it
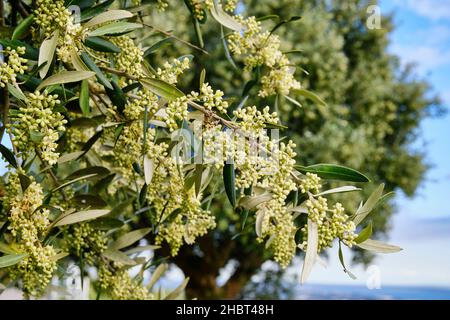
(426, 57)
(432, 9)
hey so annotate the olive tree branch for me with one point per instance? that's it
(170, 34)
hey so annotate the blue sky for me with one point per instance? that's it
(422, 226)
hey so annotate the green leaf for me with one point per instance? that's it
(107, 16)
(101, 45)
(46, 53)
(198, 173)
(59, 256)
(84, 98)
(268, 17)
(92, 140)
(16, 92)
(88, 200)
(143, 194)
(224, 18)
(368, 206)
(117, 96)
(119, 27)
(226, 49)
(149, 167)
(157, 45)
(100, 76)
(341, 259)
(156, 275)
(118, 256)
(311, 250)
(31, 53)
(365, 234)
(6, 249)
(36, 136)
(334, 172)
(338, 190)
(98, 171)
(80, 216)
(88, 176)
(142, 249)
(103, 183)
(384, 198)
(202, 78)
(11, 259)
(106, 224)
(378, 246)
(298, 104)
(283, 22)
(23, 27)
(250, 202)
(162, 88)
(129, 238)
(91, 12)
(8, 155)
(66, 77)
(178, 291)
(70, 156)
(229, 182)
(25, 182)
(311, 96)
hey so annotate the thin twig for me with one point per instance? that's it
(2, 13)
(170, 34)
(18, 5)
(5, 112)
(52, 175)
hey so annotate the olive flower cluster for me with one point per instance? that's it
(85, 241)
(51, 15)
(177, 109)
(332, 223)
(28, 223)
(170, 71)
(37, 124)
(135, 108)
(179, 210)
(15, 65)
(120, 286)
(263, 163)
(261, 48)
(254, 120)
(310, 183)
(130, 57)
(191, 222)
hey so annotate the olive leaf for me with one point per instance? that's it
(149, 167)
(23, 27)
(113, 28)
(129, 238)
(224, 18)
(334, 172)
(368, 206)
(108, 16)
(378, 246)
(66, 77)
(118, 256)
(11, 259)
(84, 98)
(46, 53)
(162, 88)
(80, 216)
(311, 250)
(229, 182)
(250, 202)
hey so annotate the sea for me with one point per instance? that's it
(352, 292)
